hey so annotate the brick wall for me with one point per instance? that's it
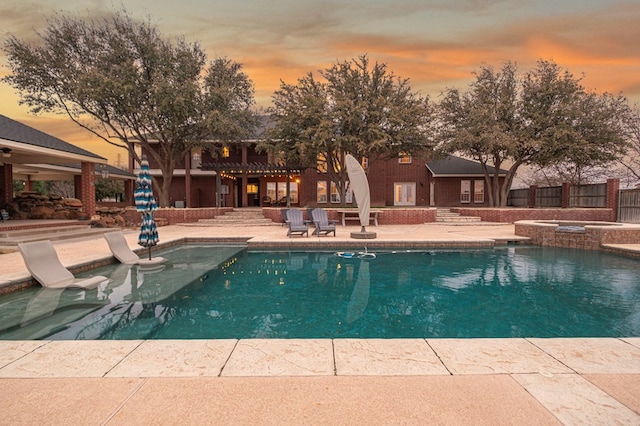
(392, 216)
(510, 215)
(173, 216)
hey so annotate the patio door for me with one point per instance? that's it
(404, 194)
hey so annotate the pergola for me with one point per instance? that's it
(235, 170)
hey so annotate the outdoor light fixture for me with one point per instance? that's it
(103, 171)
(6, 152)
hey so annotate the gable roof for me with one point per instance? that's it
(14, 131)
(452, 166)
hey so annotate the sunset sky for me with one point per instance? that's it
(435, 43)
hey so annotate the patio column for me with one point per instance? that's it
(245, 179)
(87, 190)
(6, 185)
(187, 179)
(566, 195)
(613, 197)
(532, 196)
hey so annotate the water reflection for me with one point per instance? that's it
(212, 293)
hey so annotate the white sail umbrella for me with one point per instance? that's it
(360, 187)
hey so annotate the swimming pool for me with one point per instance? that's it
(216, 291)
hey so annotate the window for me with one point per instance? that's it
(293, 192)
(271, 191)
(404, 158)
(404, 194)
(252, 188)
(282, 190)
(196, 158)
(225, 152)
(321, 191)
(478, 191)
(321, 163)
(335, 195)
(465, 191)
(364, 163)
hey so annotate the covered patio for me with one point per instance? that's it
(29, 155)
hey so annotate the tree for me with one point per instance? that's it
(631, 161)
(359, 108)
(108, 188)
(545, 118)
(121, 80)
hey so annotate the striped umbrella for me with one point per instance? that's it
(146, 204)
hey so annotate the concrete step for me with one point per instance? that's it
(458, 219)
(13, 238)
(36, 231)
(238, 222)
(238, 217)
(447, 216)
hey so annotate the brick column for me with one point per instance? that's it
(244, 180)
(613, 197)
(566, 193)
(532, 196)
(187, 180)
(128, 192)
(6, 185)
(87, 190)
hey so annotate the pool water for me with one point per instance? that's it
(207, 292)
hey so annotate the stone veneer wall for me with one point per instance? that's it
(590, 237)
(31, 205)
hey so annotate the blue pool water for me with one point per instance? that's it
(228, 292)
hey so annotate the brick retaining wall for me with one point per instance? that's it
(391, 216)
(173, 216)
(510, 215)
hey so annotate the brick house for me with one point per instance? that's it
(458, 182)
(242, 177)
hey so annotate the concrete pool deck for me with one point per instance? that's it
(330, 381)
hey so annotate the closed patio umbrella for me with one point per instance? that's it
(146, 204)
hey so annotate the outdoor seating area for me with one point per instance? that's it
(322, 224)
(295, 221)
(43, 264)
(121, 251)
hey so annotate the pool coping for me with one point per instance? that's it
(600, 391)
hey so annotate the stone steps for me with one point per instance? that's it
(238, 217)
(447, 216)
(53, 233)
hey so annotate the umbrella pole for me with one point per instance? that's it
(149, 253)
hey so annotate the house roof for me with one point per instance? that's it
(452, 166)
(22, 139)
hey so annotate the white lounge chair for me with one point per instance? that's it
(121, 251)
(43, 264)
